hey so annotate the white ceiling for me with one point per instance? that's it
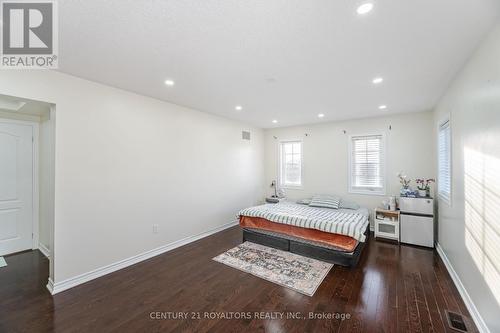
(280, 59)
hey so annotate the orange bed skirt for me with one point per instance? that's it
(344, 243)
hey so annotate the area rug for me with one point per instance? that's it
(3, 263)
(290, 270)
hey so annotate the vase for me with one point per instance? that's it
(404, 191)
(422, 193)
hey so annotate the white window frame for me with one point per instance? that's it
(380, 192)
(280, 161)
(445, 198)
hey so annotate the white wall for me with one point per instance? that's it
(124, 162)
(46, 179)
(469, 229)
(410, 147)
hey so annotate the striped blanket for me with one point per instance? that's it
(325, 219)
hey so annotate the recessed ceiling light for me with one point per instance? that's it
(238, 108)
(169, 83)
(382, 107)
(378, 80)
(365, 8)
(275, 121)
(321, 115)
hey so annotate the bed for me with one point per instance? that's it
(334, 235)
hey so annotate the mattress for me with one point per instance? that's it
(351, 223)
(335, 241)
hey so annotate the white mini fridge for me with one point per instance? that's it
(417, 221)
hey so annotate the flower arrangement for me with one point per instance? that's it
(424, 184)
(403, 179)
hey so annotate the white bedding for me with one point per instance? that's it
(348, 222)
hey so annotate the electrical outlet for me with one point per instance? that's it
(155, 228)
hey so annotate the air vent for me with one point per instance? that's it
(245, 135)
(456, 321)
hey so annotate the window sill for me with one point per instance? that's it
(292, 187)
(361, 192)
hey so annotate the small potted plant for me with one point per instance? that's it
(424, 187)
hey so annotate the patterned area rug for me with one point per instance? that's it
(290, 270)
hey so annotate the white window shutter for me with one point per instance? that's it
(444, 161)
(367, 174)
(290, 172)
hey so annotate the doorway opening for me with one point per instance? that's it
(27, 133)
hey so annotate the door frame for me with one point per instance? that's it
(35, 199)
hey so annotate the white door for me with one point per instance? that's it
(16, 187)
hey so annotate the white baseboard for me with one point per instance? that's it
(476, 316)
(58, 287)
(45, 251)
(50, 286)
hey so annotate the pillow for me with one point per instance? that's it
(348, 204)
(304, 201)
(327, 201)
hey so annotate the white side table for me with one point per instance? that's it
(387, 224)
(272, 200)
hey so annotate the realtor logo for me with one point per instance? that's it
(29, 34)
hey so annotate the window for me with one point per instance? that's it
(290, 173)
(367, 165)
(444, 161)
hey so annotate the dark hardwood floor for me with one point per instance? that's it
(393, 289)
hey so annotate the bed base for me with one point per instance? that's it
(306, 248)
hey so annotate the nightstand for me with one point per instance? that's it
(274, 200)
(387, 224)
